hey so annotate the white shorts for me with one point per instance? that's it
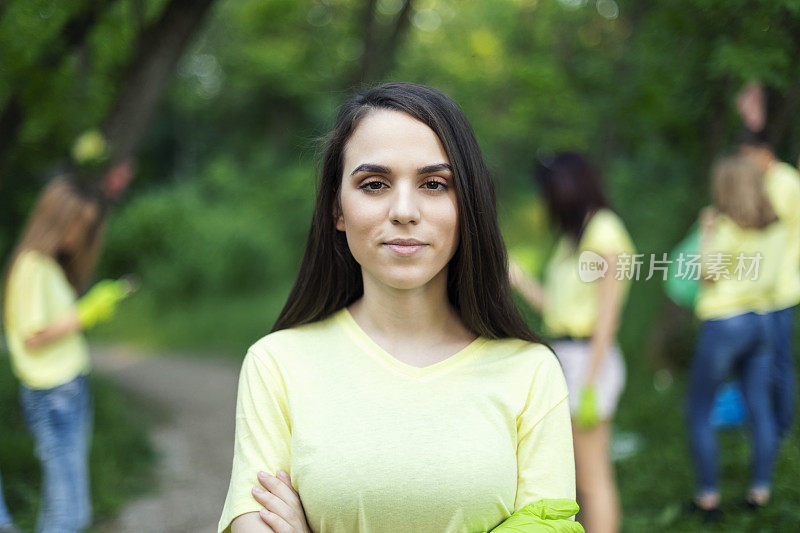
(574, 356)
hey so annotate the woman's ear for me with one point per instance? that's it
(338, 218)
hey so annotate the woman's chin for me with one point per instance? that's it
(406, 283)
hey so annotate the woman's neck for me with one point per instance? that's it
(409, 317)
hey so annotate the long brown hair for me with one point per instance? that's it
(59, 206)
(738, 191)
(477, 282)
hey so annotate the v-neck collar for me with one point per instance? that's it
(374, 349)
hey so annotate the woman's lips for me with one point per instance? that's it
(405, 249)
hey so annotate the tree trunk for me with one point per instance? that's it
(379, 55)
(160, 47)
(368, 43)
(401, 24)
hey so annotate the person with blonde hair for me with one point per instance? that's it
(43, 319)
(782, 185)
(741, 241)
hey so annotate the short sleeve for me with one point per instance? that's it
(263, 432)
(27, 297)
(783, 188)
(606, 234)
(545, 460)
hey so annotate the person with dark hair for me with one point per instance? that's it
(581, 308)
(400, 389)
(782, 185)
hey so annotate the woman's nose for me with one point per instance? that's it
(404, 204)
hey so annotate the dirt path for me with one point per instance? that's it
(194, 441)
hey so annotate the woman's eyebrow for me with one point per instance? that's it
(380, 169)
(434, 168)
(371, 167)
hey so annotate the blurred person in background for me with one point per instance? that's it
(782, 185)
(400, 389)
(783, 188)
(582, 317)
(741, 242)
(44, 320)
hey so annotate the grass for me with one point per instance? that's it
(655, 483)
(121, 454)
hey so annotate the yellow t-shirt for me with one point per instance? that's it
(38, 293)
(373, 444)
(745, 282)
(782, 183)
(571, 304)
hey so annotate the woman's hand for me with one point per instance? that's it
(283, 510)
(54, 331)
(588, 413)
(550, 515)
(100, 303)
(37, 340)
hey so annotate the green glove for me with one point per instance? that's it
(546, 516)
(588, 414)
(101, 301)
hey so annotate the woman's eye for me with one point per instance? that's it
(369, 187)
(434, 185)
(375, 186)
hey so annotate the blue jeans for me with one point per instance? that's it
(744, 345)
(5, 516)
(60, 420)
(784, 389)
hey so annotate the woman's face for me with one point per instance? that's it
(397, 184)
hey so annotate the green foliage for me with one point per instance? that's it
(226, 232)
(218, 216)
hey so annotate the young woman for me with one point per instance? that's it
(43, 319)
(742, 243)
(581, 312)
(399, 387)
(782, 185)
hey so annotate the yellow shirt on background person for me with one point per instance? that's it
(38, 293)
(745, 290)
(571, 305)
(782, 183)
(375, 445)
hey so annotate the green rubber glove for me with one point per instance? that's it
(101, 301)
(588, 413)
(546, 516)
